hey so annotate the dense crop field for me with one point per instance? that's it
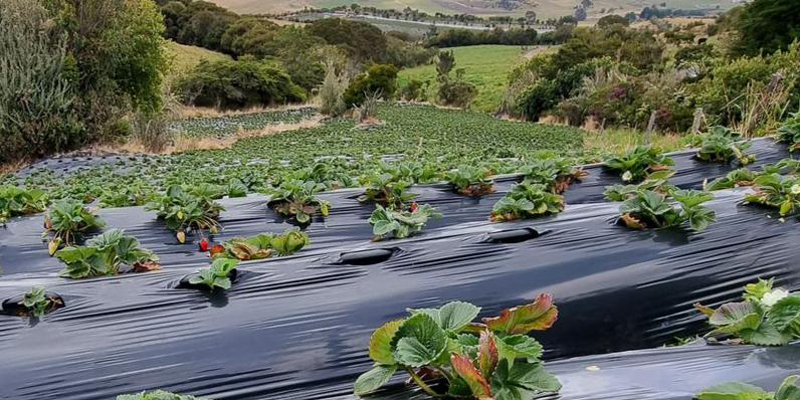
(228, 125)
(487, 67)
(441, 139)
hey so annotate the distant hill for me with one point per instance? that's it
(543, 8)
(186, 57)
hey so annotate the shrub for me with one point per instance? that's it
(495, 359)
(105, 255)
(379, 80)
(331, 94)
(414, 90)
(367, 111)
(457, 93)
(245, 83)
(36, 95)
(650, 210)
(538, 99)
(767, 316)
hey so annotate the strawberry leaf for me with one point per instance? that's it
(735, 317)
(487, 354)
(537, 316)
(464, 367)
(374, 379)
(785, 313)
(418, 341)
(380, 349)
(734, 391)
(522, 381)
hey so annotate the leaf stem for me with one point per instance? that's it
(422, 385)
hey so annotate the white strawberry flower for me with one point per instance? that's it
(773, 297)
(627, 176)
(796, 189)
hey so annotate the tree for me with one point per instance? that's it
(609, 20)
(765, 26)
(380, 80)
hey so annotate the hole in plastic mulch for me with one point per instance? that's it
(13, 306)
(366, 257)
(514, 235)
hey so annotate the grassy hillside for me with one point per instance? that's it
(487, 67)
(186, 57)
(545, 8)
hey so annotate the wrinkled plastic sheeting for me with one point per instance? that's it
(658, 374)
(294, 327)
(298, 327)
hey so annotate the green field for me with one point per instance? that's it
(186, 57)
(435, 138)
(487, 67)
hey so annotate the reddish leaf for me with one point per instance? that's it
(217, 249)
(488, 356)
(146, 266)
(464, 367)
(537, 316)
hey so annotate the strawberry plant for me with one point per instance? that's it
(38, 303)
(495, 359)
(298, 199)
(470, 181)
(774, 191)
(400, 223)
(788, 390)
(67, 221)
(411, 171)
(656, 182)
(105, 255)
(557, 173)
(736, 178)
(723, 145)
(789, 132)
(386, 190)
(638, 163)
(527, 200)
(157, 395)
(767, 316)
(263, 245)
(15, 201)
(651, 210)
(218, 275)
(185, 210)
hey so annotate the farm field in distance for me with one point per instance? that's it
(544, 8)
(442, 139)
(486, 66)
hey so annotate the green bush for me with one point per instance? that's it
(538, 99)
(36, 96)
(71, 71)
(379, 79)
(231, 84)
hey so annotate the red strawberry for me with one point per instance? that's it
(204, 244)
(414, 207)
